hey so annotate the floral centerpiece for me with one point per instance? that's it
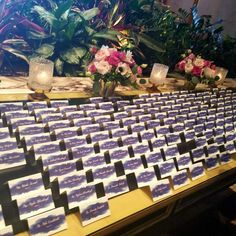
(198, 70)
(111, 67)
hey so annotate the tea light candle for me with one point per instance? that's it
(42, 77)
(158, 74)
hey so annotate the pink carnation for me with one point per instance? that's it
(122, 56)
(92, 68)
(114, 59)
(139, 70)
(197, 71)
(181, 65)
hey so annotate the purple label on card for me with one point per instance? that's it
(74, 115)
(219, 140)
(11, 158)
(200, 142)
(59, 103)
(137, 128)
(106, 106)
(81, 194)
(159, 142)
(152, 124)
(104, 172)
(211, 162)
(66, 134)
(184, 160)
(212, 149)
(180, 179)
(119, 133)
(154, 157)
(74, 180)
(229, 128)
(161, 115)
(178, 128)
(50, 117)
(62, 169)
(99, 137)
(173, 138)
(141, 148)
(35, 203)
(103, 119)
(79, 152)
(4, 134)
(94, 161)
(199, 128)
(83, 121)
(110, 144)
(145, 176)
(160, 189)
(120, 115)
(43, 138)
(198, 153)
(74, 142)
(166, 167)
(147, 135)
(144, 118)
(196, 171)
(189, 135)
(7, 145)
(169, 121)
(119, 154)
(137, 113)
(111, 125)
(210, 125)
(91, 129)
(47, 149)
(68, 109)
(60, 125)
(116, 186)
(5, 107)
(219, 131)
(225, 157)
(31, 130)
(55, 159)
(171, 151)
(129, 121)
(163, 130)
(94, 113)
(22, 122)
(129, 140)
(132, 164)
(230, 147)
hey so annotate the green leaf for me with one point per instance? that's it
(195, 80)
(151, 43)
(108, 34)
(45, 15)
(37, 35)
(89, 14)
(73, 55)
(45, 51)
(17, 42)
(15, 52)
(59, 66)
(63, 10)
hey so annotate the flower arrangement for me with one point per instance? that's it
(111, 67)
(197, 70)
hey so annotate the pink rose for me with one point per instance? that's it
(139, 70)
(197, 71)
(207, 63)
(181, 65)
(92, 68)
(191, 56)
(122, 56)
(102, 54)
(102, 67)
(113, 60)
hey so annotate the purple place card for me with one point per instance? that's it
(153, 124)
(115, 186)
(21, 122)
(153, 158)
(39, 112)
(154, 110)
(199, 128)
(198, 154)
(129, 121)
(137, 112)
(219, 131)
(189, 135)
(4, 133)
(71, 181)
(229, 128)
(161, 115)
(131, 165)
(55, 158)
(66, 109)
(30, 130)
(219, 140)
(87, 129)
(230, 147)
(147, 135)
(211, 117)
(74, 115)
(46, 148)
(141, 148)
(116, 133)
(45, 118)
(119, 154)
(111, 125)
(12, 158)
(25, 185)
(130, 108)
(171, 152)
(93, 161)
(173, 138)
(128, 140)
(138, 101)
(200, 142)
(83, 151)
(8, 144)
(59, 124)
(169, 121)
(48, 223)
(108, 106)
(178, 127)
(163, 130)
(120, 115)
(196, 170)
(6, 231)
(150, 100)
(31, 140)
(189, 124)
(144, 118)
(36, 105)
(137, 127)
(192, 115)
(161, 189)
(122, 104)
(210, 125)
(99, 136)
(166, 168)
(15, 114)
(180, 179)
(183, 161)
(184, 111)
(145, 95)
(86, 107)
(96, 100)
(106, 145)
(176, 107)
(93, 113)
(211, 163)
(213, 149)
(61, 169)
(75, 141)
(66, 133)
(91, 211)
(35, 204)
(145, 106)
(181, 118)
(193, 109)
(101, 119)
(225, 158)
(145, 177)
(59, 103)
(173, 113)
(159, 142)
(82, 121)
(220, 122)
(104, 172)
(11, 106)
(165, 109)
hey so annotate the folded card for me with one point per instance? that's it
(154, 157)
(211, 162)
(59, 124)
(59, 103)
(103, 118)
(131, 165)
(54, 158)
(36, 105)
(31, 140)
(145, 177)
(45, 118)
(173, 138)
(65, 109)
(129, 121)
(141, 148)
(183, 161)
(180, 179)
(106, 145)
(104, 172)
(159, 142)
(224, 158)
(6, 231)
(138, 127)
(118, 154)
(21, 122)
(130, 139)
(120, 115)
(15, 114)
(66, 133)
(147, 134)
(82, 121)
(166, 168)
(2, 221)
(83, 151)
(196, 170)
(161, 189)
(153, 124)
(171, 152)
(8, 144)
(48, 223)
(35, 204)
(4, 133)
(30, 129)
(92, 161)
(74, 115)
(111, 125)
(87, 129)
(75, 141)
(11, 106)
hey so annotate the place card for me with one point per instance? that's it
(45, 118)
(192, 115)
(160, 190)
(152, 124)
(225, 158)
(209, 125)
(130, 108)
(31, 140)
(211, 162)
(59, 124)
(120, 115)
(129, 121)
(75, 141)
(54, 158)
(196, 170)
(189, 135)
(153, 111)
(144, 118)
(66, 109)
(169, 121)
(11, 106)
(108, 106)
(166, 168)
(122, 104)
(130, 139)
(173, 114)
(74, 115)
(200, 142)
(219, 140)
(198, 154)
(230, 147)
(159, 142)
(104, 172)
(133, 164)
(137, 112)
(111, 125)
(230, 136)
(93, 161)
(8, 144)
(46, 148)
(161, 115)
(147, 134)
(39, 112)
(21, 122)
(138, 101)
(154, 157)
(15, 114)
(171, 152)
(119, 132)
(83, 151)
(59, 103)
(91, 211)
(70, 181)
(213, 149)
(66, 133)
(181, 118)
(35, 204)
(183, 161)
(118, 154)
(141, 148)
(36, 105)
(93, 113)
(106, 145)
(150, 100)
(82, 121)
(173, 138)
(12, 158)
(101, 119)
(99, 136)
(137, 127)
(115, 186)
(87, 129)
(145, 106)
(4, 133)
(145, 95)
(229, 128)
(48, 223)
(2, 221)
(6, 231)
(180, 179)
(30, 130)
(145, 177)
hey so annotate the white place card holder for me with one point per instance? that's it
(30, 130)
(160, 190)
(196, 170)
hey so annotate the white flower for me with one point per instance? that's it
(123, 69)
(199, 62)
(129, 56)
(103, 67)
(188, 68)
(102, 53)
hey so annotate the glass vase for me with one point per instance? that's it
(107, 88)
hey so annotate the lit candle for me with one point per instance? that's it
(158, 74)
(43, 77)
